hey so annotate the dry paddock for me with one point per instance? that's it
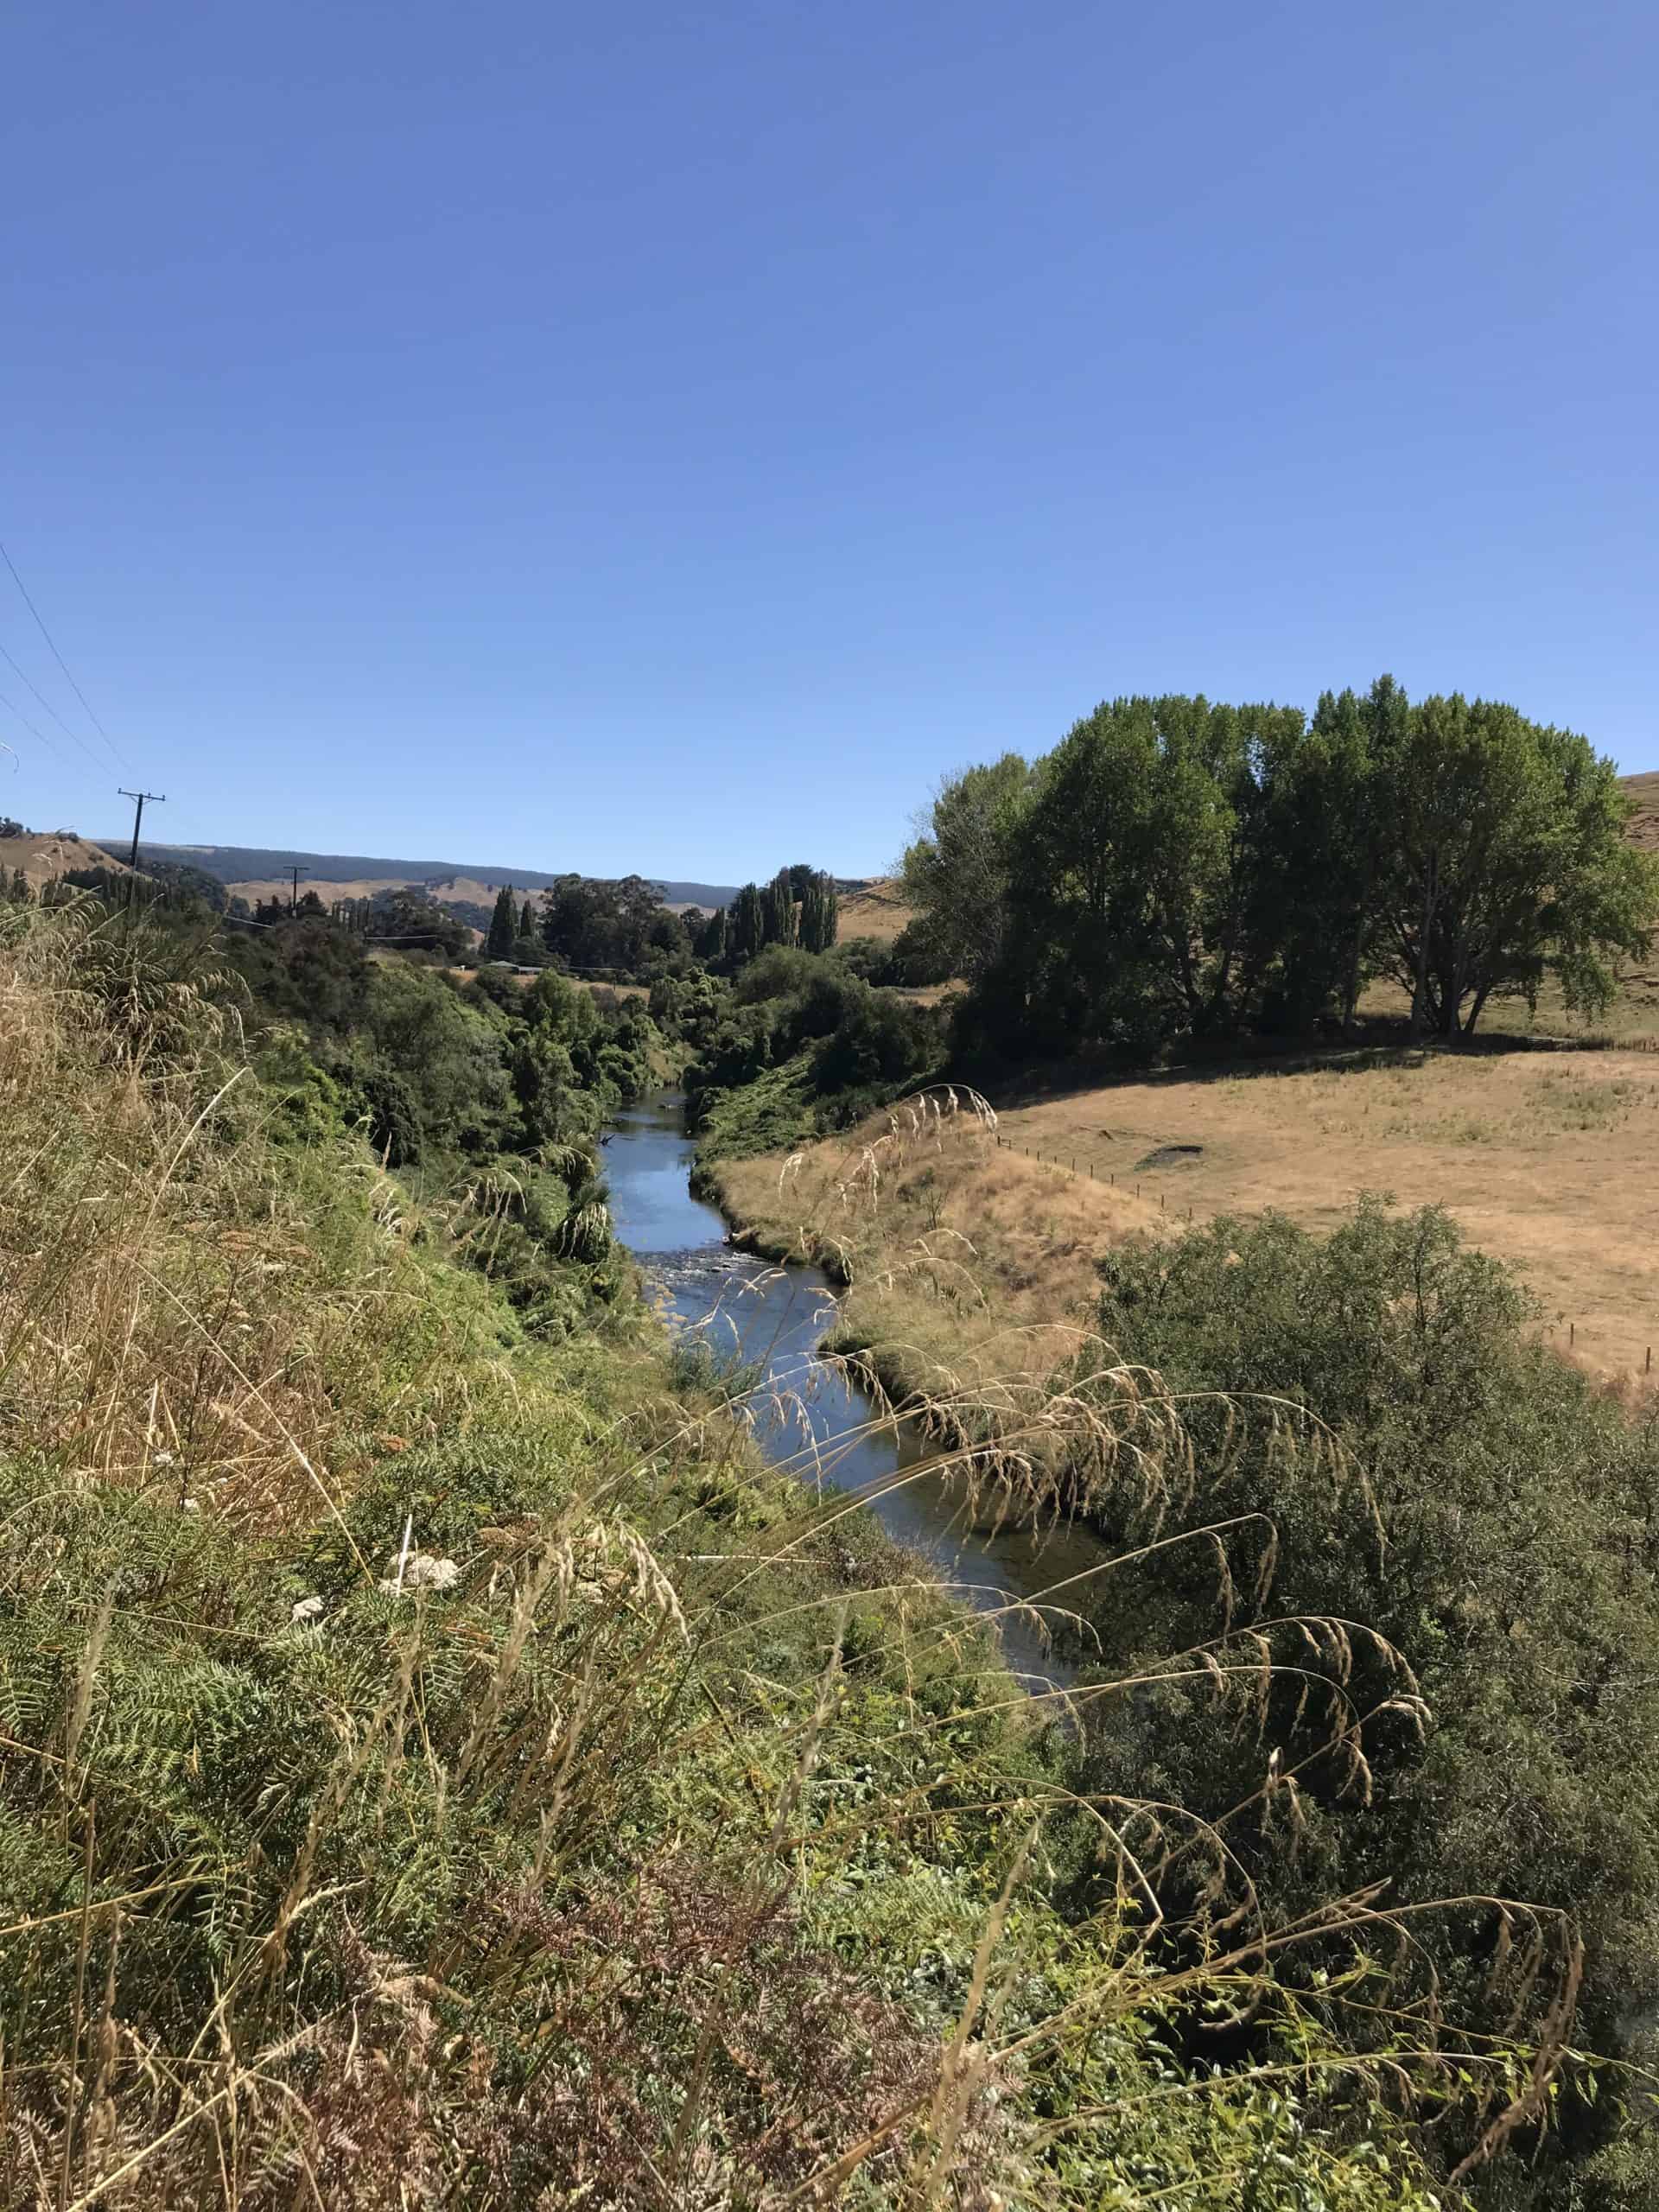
(1539, 1155)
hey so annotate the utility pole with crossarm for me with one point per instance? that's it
(156, 798)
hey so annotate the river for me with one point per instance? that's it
(775, 1318)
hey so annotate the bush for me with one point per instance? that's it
(1499, 1523)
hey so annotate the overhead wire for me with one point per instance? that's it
(116, 754)
(24, 718)
(45, 737)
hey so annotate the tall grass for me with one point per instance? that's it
(442, 1771)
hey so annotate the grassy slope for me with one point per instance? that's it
(877, 911)
(574, 1857)
(963, 1258)
(41, 858)
(1538, 1155)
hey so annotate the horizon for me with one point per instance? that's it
(643, 434)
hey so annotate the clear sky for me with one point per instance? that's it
(669, 437)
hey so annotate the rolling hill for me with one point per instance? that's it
(41, 857)
(260, 871)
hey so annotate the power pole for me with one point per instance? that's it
(156, 798)
(294, 896)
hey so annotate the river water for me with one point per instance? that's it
(774, 1318)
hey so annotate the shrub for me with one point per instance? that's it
(1500, 1525)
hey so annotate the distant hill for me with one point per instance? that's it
(257, 870)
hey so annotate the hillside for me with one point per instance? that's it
(259, 870)
(464, 1733)
(873, 906)
(1644, 823)
(42, 857)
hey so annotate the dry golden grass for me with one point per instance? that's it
(469, 889)
(1643, 792)
(42, 858)
(1537, 1154)
(877, 911)
(961, 1255)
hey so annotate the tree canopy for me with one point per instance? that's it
(1176, 866)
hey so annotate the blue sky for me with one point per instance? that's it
(671, 437)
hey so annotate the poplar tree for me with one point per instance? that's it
(745, 930)
(503, 938)
(779, 909)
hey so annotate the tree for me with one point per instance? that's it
(502, 940)
(746, 931)
(709, 942)
(819, 908)
(1134, 875)
(1505, 861)
(588, 922)
(410, 916)
(955, 875)
(777, 904)
(1323, 833)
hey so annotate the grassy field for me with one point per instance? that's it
(967, 1261)
(877, 911)
(41, 858)
(1537, 1155)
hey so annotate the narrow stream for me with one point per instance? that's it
(755, 1312)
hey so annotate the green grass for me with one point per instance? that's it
(773, 1113)
(444, 1766)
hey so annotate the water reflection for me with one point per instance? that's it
(808, 1416)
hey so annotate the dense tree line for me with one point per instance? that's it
(492, 1088)
(799, 906)
(1178, 867)
(833, 1045)
(624, 925)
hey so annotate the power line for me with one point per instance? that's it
(41, 697)
(115, 751)
(24, 718)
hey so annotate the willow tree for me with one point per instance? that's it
(1505, 862)
(1135, 906)
(955, 875)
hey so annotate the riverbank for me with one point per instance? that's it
(964, 1264)
(826, 1422)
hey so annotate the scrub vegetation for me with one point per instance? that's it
(1483, 1504)
(442, 1765)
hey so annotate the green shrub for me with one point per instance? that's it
(1499, 1523)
